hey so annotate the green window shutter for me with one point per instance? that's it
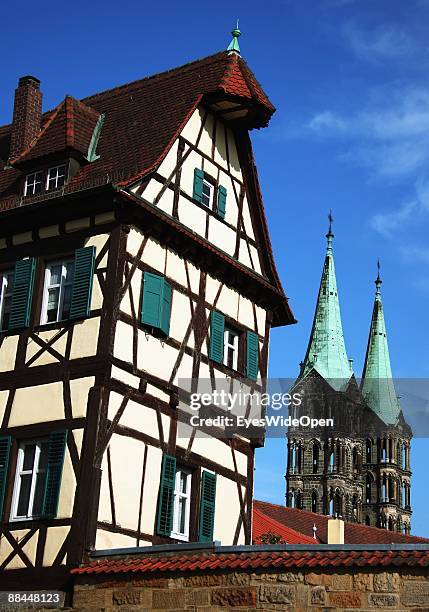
(221, 201)
(207, 506)
(198, 184)
(252, 355)
(156, 302)
(166, 308)
(23, 281)
(217, 330)
(166, 495)
(56, 452)
(84, 260)
(5, 446)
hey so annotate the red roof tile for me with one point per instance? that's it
(254, 559)
(263, 524)
(302, 521)
(142, 119)
(69, 127)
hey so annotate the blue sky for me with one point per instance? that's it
(351, 133)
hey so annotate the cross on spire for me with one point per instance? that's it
(378, 280)
(330, 235)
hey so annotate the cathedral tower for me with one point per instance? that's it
(359, 467)
(386, 466)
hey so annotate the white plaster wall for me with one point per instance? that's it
(226, 521)
(55, 537)
(8, 353)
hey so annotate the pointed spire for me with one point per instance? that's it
(233, 46)
(326, 350)
(377, 383)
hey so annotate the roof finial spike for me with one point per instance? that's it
(378, 280)
(330, 235)
(233, 46)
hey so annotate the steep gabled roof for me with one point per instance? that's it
(303, 521)
(142, 119)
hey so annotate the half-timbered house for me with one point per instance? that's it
(134, 253)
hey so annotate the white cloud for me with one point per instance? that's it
(386, 223)
(384, 43)
(390, 137)
(406, 213)
(415, 254)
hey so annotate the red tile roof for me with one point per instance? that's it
(69, 127)
(142, 119)
(302, 521)
(263, 524)
(253, 560)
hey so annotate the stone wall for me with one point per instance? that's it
(353, 589)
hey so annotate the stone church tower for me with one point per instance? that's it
(359, 468)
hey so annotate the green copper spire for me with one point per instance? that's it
(326, 351)
(377, 383)
(233, 46)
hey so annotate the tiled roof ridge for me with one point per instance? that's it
(162, 74)
(291, 559)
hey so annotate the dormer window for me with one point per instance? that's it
(45, 180)
(33, 183)
(56, 177)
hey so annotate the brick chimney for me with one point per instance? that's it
(27, 114)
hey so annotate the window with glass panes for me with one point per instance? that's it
(230, 348)
(30, 479)
(33, 183)
(57, 291)
(181, 504)
(6, 286)
(56, 177)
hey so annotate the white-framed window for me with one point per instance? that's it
(56, 177)
(181, 504)
(27, 499)
(57, 291)
(207, 196)
(6, 286)
(33, 183)
(230, 348)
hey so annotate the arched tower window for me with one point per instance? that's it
(331, 460)
(314, 500)
(355, 459)
(338, 503)
(368, 485)
(404, 456)
(368, 451)
(355, 508)
(315, 458)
